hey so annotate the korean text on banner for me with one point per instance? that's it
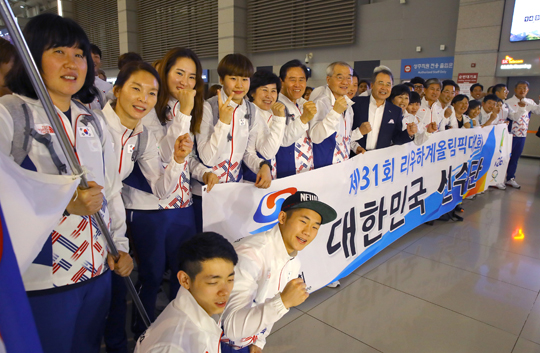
(378, 196)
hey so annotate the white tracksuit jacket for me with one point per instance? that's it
(327, 121)
(521, 117)
(223, 147)
(270, 137)
(166, 136)
(78, 251)
(162, 182)
(183, 327)
(264, 268)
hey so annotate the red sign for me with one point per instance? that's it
(408, 68)
(467, 78)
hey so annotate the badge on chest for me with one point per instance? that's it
(85, 131)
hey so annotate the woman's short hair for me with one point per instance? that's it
(459, 98)
(473, 104)
(131, 68)
(235, 65)
(42, 33)
(399, 90)
(263, 78)
(415, 98)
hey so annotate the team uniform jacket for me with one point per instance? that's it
(137, 195)
(507, 113)
(264, 268)
(331, 132)
(76, 250)
(521, 118)
(296, 152)
(435, 113)
(270, 137)
(223, 147)
(104, 89)
(183, 327)
(421, 135)
(125, 141)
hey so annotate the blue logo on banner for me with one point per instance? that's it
(427, 68)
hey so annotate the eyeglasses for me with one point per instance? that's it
(418, 86)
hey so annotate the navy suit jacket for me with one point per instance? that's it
(389, 133)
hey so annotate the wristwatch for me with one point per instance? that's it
(267, 163)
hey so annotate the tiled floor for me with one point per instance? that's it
(454, 287)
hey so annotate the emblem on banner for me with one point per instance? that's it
(269, 208)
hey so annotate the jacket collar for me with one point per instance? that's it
(185, 302)
(279, 245)
(329, 94)
(113, 120)
(284, 99)
(374, 102)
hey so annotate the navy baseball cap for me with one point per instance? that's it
(304, 199)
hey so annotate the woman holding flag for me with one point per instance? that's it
(68, 283)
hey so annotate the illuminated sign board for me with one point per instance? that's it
(509, 63)
(525, 21)
(523, 63)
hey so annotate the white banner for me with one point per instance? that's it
(33, 204)
(378, 196)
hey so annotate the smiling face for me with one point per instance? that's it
(265, 96)
(237, 86)
(433, 92)
(401, 101)
(461, 106)
(489, 105)
(340, 80)
(362, 87)
(64, 73)
(353, 89)
(382, 86)
(136, 98)
(476, 93)
(182, 75)
(212, 286)
(298, 228)
(413, 108)
(294, 85)
(502, 93)
(448, 93)
(473, 113)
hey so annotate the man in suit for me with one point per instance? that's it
(382, 117)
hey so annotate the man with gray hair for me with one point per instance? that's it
(330, 129)
(381, 119)
(431, 110)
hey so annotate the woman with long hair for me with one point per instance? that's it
(160, 226)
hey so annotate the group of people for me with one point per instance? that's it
(151, 145)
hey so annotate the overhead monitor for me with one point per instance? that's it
(525, 21)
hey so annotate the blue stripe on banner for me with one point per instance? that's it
(17, 327)
(434, 209)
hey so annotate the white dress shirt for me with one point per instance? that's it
(375, 120)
